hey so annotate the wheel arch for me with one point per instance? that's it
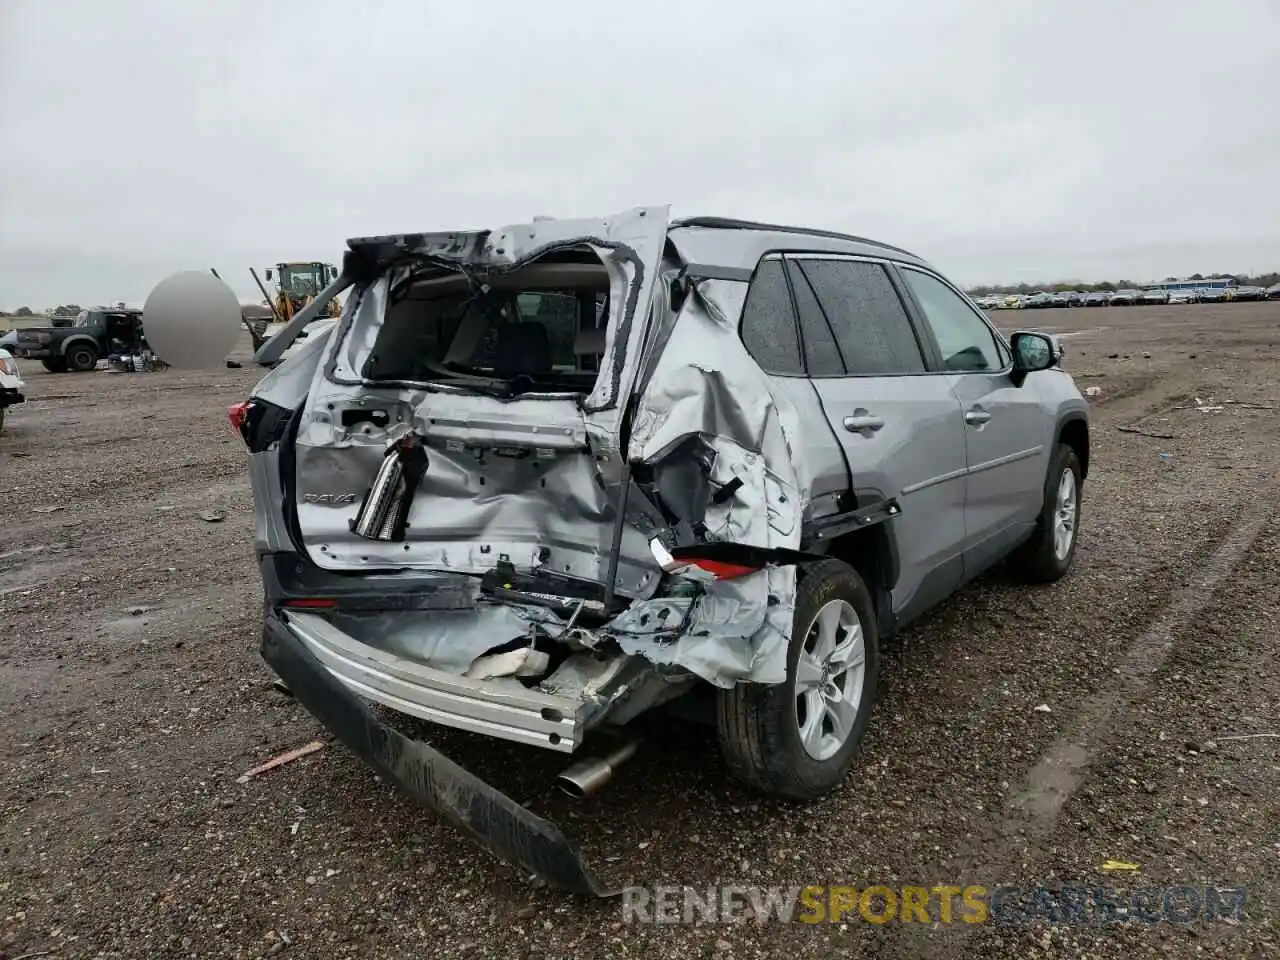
(872, 552)
(1073, 430)
(71, 342)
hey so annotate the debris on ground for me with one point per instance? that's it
(1212, 406)
(1147, 433)
(138, 611)
(1111, 865)
(54, 509)
(1093, 391)
(213, 516)
(287, 757)
(1044, 708)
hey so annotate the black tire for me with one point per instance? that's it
(1039, 559)
(81, 358)
(759, 724)
(55, 364)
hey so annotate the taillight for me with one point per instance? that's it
(259, 422)
(693, 567)
(311, 603)
(236, 413)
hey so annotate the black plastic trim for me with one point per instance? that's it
(290, 576)
(727, 223)
(828, 528)
(499, 824)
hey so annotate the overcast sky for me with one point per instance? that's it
(1003, 140)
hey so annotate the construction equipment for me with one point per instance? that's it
(297, 284)
(252, 319)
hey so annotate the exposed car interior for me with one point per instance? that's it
(540, 328)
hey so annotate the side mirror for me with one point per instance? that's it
(268, 272)
(1032, 352)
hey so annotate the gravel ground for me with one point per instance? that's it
(132, 696)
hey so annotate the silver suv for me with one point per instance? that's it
(539, 480)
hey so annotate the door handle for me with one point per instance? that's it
(976, 417)
(863, 422)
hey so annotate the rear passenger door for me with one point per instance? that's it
(1006, 436)
(900, 424)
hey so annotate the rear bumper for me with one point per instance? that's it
(8, 397)
(507, 710)
(493, 819)
(33, 353)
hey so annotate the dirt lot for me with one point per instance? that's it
(132, 696)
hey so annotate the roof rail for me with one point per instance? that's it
(728, 223)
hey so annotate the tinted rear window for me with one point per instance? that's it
(820, 350)
(871, 327)
(769, 324)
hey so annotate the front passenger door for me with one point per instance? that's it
(1007, 448)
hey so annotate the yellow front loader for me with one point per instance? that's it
(297, 284)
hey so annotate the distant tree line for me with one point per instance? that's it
(1262, 280)
(62, 310)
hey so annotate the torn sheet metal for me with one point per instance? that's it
(536, 482)
(446, 640)
(537, 479)
(705, 384)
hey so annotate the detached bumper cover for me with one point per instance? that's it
(493, 819)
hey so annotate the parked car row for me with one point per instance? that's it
(1125, 298)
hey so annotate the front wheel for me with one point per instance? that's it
(797, 739)
(1048, 554)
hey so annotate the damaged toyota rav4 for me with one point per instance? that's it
(538, 480)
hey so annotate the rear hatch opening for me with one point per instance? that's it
(537, 329)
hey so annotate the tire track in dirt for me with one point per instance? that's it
(1032, 813)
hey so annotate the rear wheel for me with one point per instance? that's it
(797, 739)
(55, 364)
(82, 358)
(1048, 554)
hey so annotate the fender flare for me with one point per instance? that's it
(1065, 420)
(68, 343)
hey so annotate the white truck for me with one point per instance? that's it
(10, 384)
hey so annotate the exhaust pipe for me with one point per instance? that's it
(587, 776)
(382, 499)
(385, 509)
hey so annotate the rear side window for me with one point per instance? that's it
(964, 339)
(864, 313)
(820, 350)
(769, 323)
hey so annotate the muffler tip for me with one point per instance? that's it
(583, 779)
(588, 776)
